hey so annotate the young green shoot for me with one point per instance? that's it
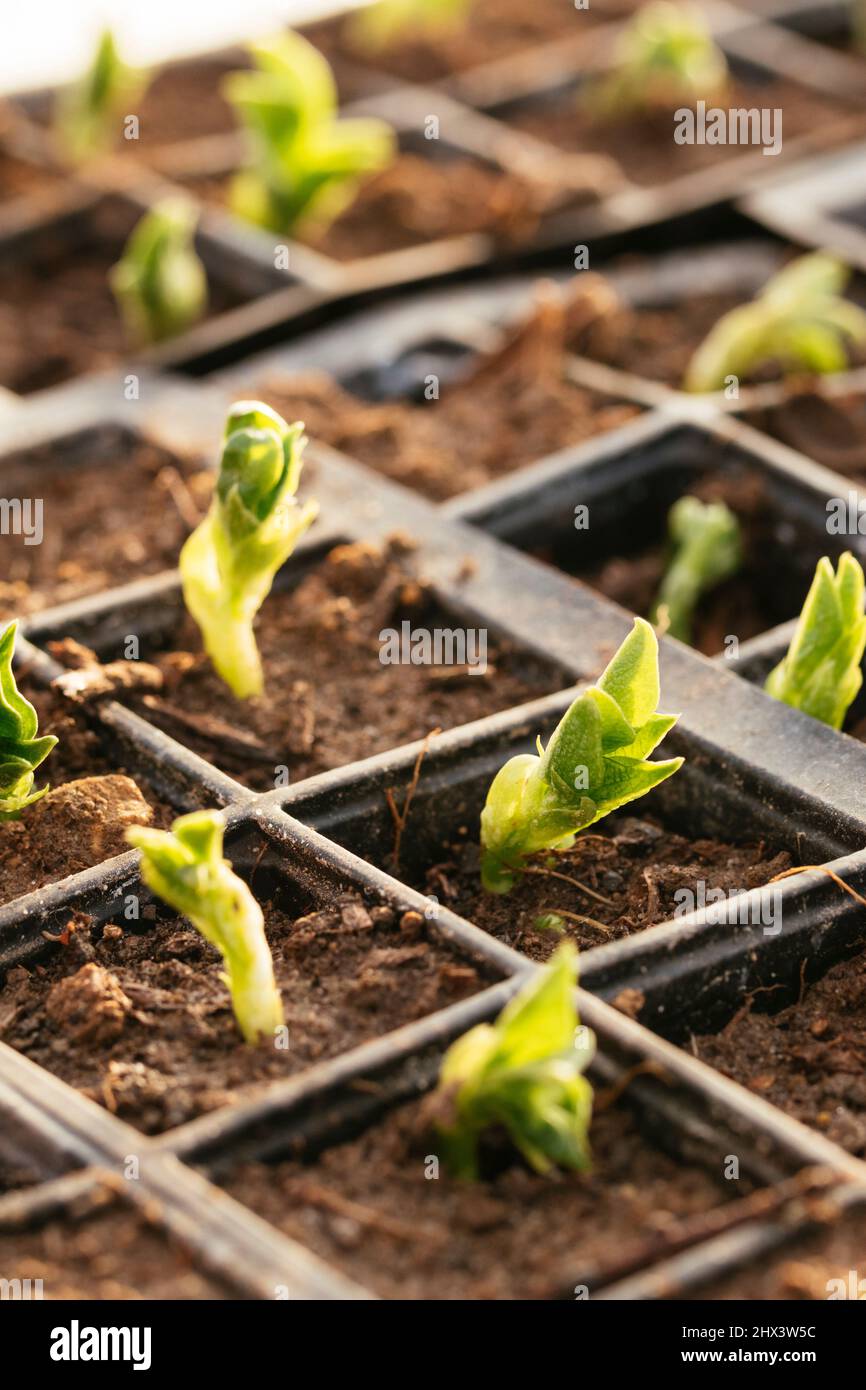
(88, 114)
(799, 320)
(21, 751)
(305, 164)
(820, 672)
(185, 867)
(376, 26)
(228, 564)
(665, 57)
(706, 547)
(159, 283)
(596, 761)
(523, 1074)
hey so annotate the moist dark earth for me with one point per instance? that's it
(114, 509)
(514, 406)
(328, 698)
(368, 1207)
(104, 1250)
(618, 879)
(141, 1022)
(807, 1059)
(82, 819)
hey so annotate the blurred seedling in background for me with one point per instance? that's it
(159, 283)
(89, 114)
(820, 672)
(522, 1074)
(705, 548)
(665, 57)
(798, 321)
(376, 26)
(21, 751)
(185, 867)
(595, 762)
(305, 164)
(228, 564)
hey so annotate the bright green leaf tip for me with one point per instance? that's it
(228, 564)
(185, 867)
(523, 1074)
(21, 751)
(305, 163)
(89, 112)
(375, 26)
(665, 56)
(799, 320)
(820, 672)
(159, 283)
(706, 547)
(596, 761)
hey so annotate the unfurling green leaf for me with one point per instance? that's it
(228, 564)
(159, 283)
(377, 25)
(523, 1074)
(305, 164)
(666, 56)
(706, 547)
(596, 761)
(799, 320)
(21, 751)
(88, 113)
(820, 673)
(185, 867)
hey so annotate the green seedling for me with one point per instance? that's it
(306, 165)
(706, 547)
(375, 26)
(228, 564)
(185, 867)
(88, 114)
(159, 283)
(820, 672)
(523, 1074)
(596, 761)
(665, 57)
(21, 751)
(799, 320)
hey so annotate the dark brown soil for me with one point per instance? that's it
(368, 1207)
(492, 29)
(514, 407)
(763, 593)
(622, 876)
(805, 1270)
(109, 1253)
(659, 342)
(58, 318)
(644, 145)
(114, 509)
(808, 1059)
(83, 818)
(184, 102)
(829, 429)
(143, 1025)
(329, 699)
(418, 200)
(19, 179)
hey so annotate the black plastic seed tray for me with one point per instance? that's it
(557, 200)
(306, 844)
